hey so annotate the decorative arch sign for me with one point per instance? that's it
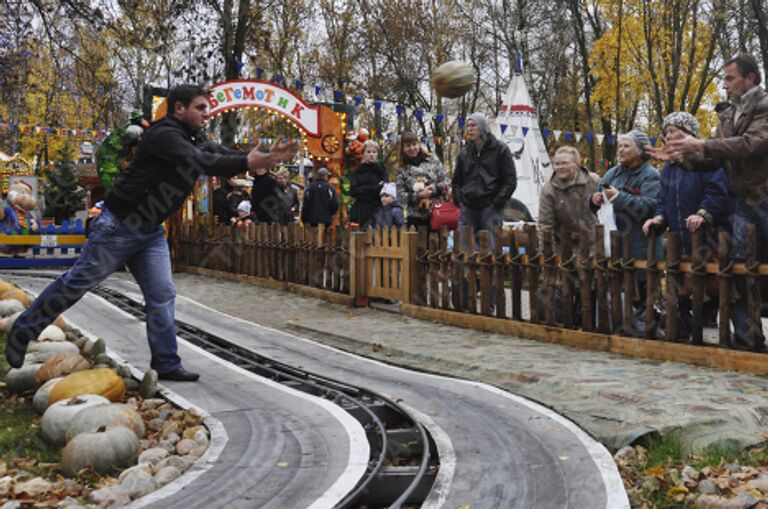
(235, 94)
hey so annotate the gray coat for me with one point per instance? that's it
(638, 195)
(432, 172)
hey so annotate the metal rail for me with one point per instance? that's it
(403, 461)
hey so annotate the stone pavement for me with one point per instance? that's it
(615, 398)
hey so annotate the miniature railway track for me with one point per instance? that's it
(403, 459)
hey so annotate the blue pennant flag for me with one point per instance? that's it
(503, 128)
(568, 135)
(338, 95)
(399, 110)
(461, 121)
(610, 138)
(418, 113)
(358, 100)
(545, 133)
(439, 117)
(377, 104)
(259, 73)
(652, 139)
(589, 136)
(318, 89)
(298, 84)
(525, 131)
(278, 79)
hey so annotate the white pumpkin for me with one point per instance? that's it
(57, 417)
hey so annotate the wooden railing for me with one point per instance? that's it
(52, 246)
(573, 284)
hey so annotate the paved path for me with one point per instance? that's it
(615, 398)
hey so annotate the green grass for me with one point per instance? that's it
(20, 444)
(721, 452)
(662, 451)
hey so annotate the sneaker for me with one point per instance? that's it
(15, 349)
(179, 375)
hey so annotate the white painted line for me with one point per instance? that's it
(359, 448)
(616, 496)
(441, 488)
(219, 435)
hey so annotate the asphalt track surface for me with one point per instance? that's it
(282, 449)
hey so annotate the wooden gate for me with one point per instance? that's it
(384, 265)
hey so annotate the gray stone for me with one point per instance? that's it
(707, 487)
(690, 473)
(185, 446)
(148, 386)
(156, 424)
(625, 455)
(170, 427)
(33, 487)
(181, 463)
(715, 502)
(138, 483)
(103, 358)
(173, 437)
(69, 503)
(146, 467)
(166, 413)
(201, 438)
(103, 495)
(166, 475)
(131, 384)
(153, 455)
(761, 483)
(168, 446)
(124, 370)
(733, 468)
(149, 404)
(198, 451)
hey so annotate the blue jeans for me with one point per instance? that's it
(110, 245)
(743, 215)
(487, 218)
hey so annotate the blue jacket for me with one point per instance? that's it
(688, 192)
(636, 202)
(389, 216)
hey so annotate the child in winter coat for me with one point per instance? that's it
(391, 212)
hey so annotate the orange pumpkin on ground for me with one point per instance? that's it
(103, 381)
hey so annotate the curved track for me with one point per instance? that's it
(496, 449)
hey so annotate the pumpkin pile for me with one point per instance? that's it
(104, 421)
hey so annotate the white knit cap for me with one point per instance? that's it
(389, 188)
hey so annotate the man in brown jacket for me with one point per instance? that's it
(741, 146)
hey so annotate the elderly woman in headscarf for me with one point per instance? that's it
(632, 187)
(689, 201)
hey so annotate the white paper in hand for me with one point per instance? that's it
(606, 217)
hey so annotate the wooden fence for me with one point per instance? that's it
(573, 284)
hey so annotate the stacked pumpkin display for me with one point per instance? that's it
(81, 393)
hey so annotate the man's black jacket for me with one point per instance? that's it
(168, 162)
(484, 178)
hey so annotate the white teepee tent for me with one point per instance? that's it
(518, 126)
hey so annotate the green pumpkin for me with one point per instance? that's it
(104, 451)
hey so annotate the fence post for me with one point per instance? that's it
(616, 277)
(566, 275)
(516, 274)
(699, 257)
(500, 263)
(585, 281)
(652, 283)
(629, 287)
(754, 323)
(457, 270)
(550, 278)
(433, 268)
(533, 271)
(357, 273)
(486, 291)
(673, 283)
(410, 274)
(724, 288)
(444, 279)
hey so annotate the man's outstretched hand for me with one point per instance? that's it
(279, 152)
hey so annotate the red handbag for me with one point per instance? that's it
(444, 213)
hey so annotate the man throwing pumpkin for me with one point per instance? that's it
(171, 156)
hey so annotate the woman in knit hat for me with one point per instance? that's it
(689, 201)
(632, 187)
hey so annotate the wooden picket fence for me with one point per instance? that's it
(573, 284)
(307, 256)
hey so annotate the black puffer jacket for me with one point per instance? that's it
(320, 204)
(484, 178)
(365, 185)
